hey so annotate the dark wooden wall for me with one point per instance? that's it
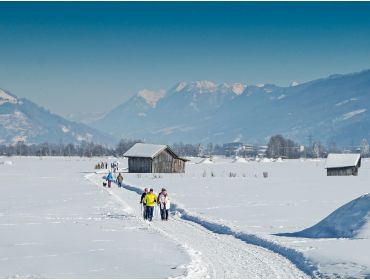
(139, 165)
(344, 171)
(178, 166)
(164, 162)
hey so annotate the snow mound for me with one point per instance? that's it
(239, 160)
(7, 162)
(351, 220)
(207, 161)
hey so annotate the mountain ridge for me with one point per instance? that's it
(203, 111)
(23, 120)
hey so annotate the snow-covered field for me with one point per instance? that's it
(56, 224)
(227, 221)
(296, 195)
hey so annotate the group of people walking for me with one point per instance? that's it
(109, 178)
(149, 200)
(104, 165)
(101, 165)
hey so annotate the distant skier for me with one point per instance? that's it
(142, 202)
(106, 165)
(109, 179)
(119, 180)
(150, 199)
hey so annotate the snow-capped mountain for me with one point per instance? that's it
(333, 109)
(23, 120)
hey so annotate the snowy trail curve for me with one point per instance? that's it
(212, 255)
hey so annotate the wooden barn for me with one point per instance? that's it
(343, 164)
(150, 158)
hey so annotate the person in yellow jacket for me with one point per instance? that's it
(149, 200)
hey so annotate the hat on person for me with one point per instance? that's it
(151, 189)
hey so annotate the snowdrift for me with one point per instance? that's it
(239, 160)
(351, 220)
(207, 161)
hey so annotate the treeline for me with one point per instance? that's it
(277, 146)
(84, 149)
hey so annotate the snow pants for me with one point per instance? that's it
(149, 212)
(144, 212)
(164, 213)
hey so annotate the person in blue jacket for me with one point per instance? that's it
(109, 179)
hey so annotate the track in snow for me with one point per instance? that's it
(212, 255)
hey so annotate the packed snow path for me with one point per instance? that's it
(213, 255)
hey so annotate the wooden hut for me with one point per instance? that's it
(343, 164)
(149, 158)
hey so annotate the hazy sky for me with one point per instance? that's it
(91, 56)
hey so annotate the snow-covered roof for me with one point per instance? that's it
(144, 150)
(342, 160)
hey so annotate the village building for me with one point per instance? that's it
(343, 164)
(150, 158)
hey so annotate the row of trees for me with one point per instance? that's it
(277, 146)
(85, 149)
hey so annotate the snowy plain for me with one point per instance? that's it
(296, 195)
(57, 221)
(56, 224)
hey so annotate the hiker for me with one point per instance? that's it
(162, 199)
(142, 202)
(167, 206)
(150, 199)
(119, 180)
(163, 190)
(109, 178)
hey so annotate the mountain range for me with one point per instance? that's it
(332, 110)
(23, 120)
(335, 109)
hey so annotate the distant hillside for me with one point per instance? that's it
(23, 120)
(333, 109)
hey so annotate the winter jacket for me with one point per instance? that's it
(110, 176)
(160, 198)
(167, 203)
(164, 201)
(142, 197)
(120, 178)
(150, 199)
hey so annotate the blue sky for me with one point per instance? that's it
(92, 56)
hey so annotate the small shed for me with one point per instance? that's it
(343, 164)
(150, 158)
